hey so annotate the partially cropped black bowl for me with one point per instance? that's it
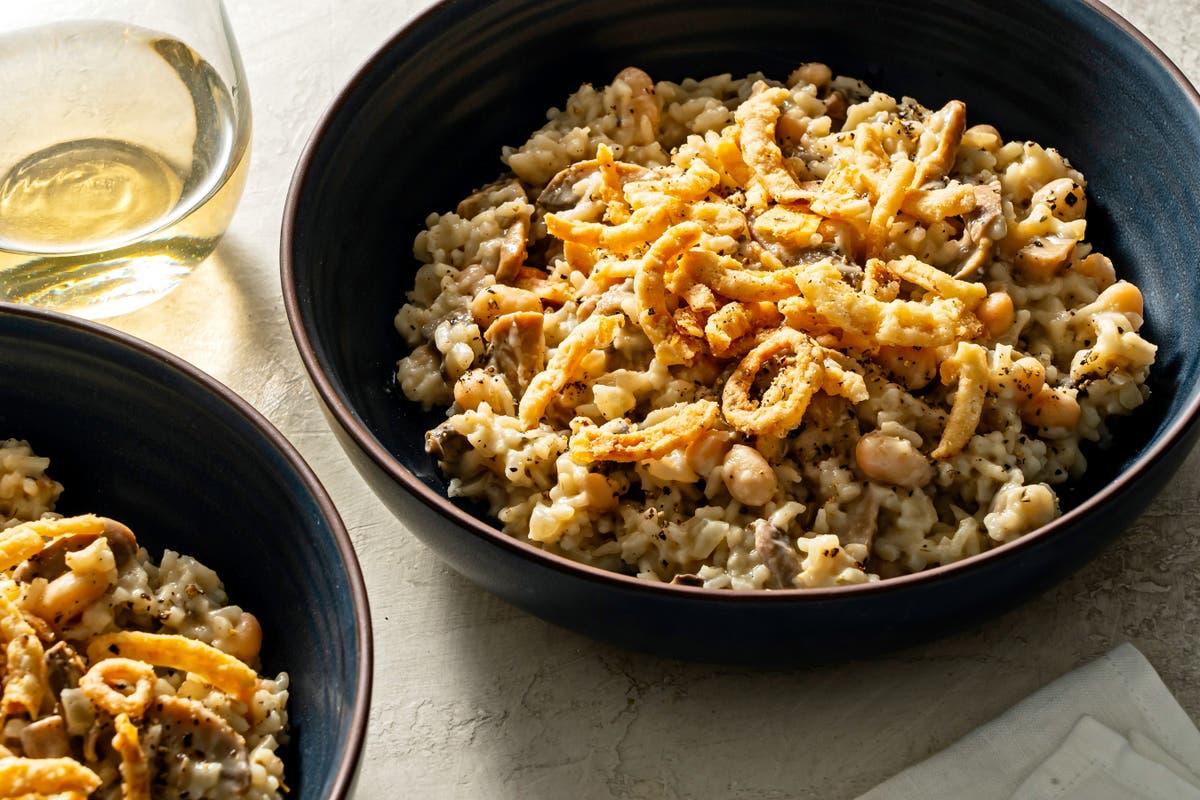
(138, 435)
(423, 122)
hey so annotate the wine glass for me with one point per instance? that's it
(125, 147)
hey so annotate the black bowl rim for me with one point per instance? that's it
(419, 29)
(347, 767)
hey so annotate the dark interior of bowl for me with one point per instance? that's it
(133, 437)
(426, 123)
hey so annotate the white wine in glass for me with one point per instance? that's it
(124, 153)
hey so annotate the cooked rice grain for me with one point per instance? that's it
(965, 337)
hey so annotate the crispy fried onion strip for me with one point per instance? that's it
(726, 276)
(654, 317)
(843, 382)
(930, 206)
(782, 406)
(756, 118)
(932, 279)
(891, 197)
(729, 153)
(698, 296)
(969, 366)
(735, 320)
(22, 541)
(179, 652)
(906, 323)
(25, 683)
(594, 333)
(790, 227)
(798, 313)
(645, 225)
(18, 544)
(879, 282)
(938, 145)
(843, 196)
(55, 528)
(610, 176)
(694, 183)
(562, 192)
(683, 424)
(45, 776)
(106, 684)
(719, 219)
(135, 770)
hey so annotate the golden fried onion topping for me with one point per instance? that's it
(783, 403)
(217, 668)
(21, 777)
(615, 441)
(718, 248)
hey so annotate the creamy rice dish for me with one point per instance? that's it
(744, 334)
(122, 678)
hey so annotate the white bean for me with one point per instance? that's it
(748, 476)
(892, 460)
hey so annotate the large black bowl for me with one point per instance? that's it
(423, 123)
(138, 435)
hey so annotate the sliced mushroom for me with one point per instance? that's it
(121, 541)
(790, 129)
(46, 738)
(987, 220)
(64, 668)
(445, 443)
(573, 185)
(835, 108)
(862, 519)
(512, 250)
(185, 736)
(67, 591)
(777, 554)
(51, 561)
(639, 115)
(511, 254)
(984, 227)
(687, 579)
(97, 742)
(938, 145)
(517, 348)
(496, 193)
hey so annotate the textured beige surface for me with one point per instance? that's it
(474, 699)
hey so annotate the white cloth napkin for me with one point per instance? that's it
(1109, 730)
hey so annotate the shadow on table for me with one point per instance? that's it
(207, 315)
(227, 319)
(560, 716)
